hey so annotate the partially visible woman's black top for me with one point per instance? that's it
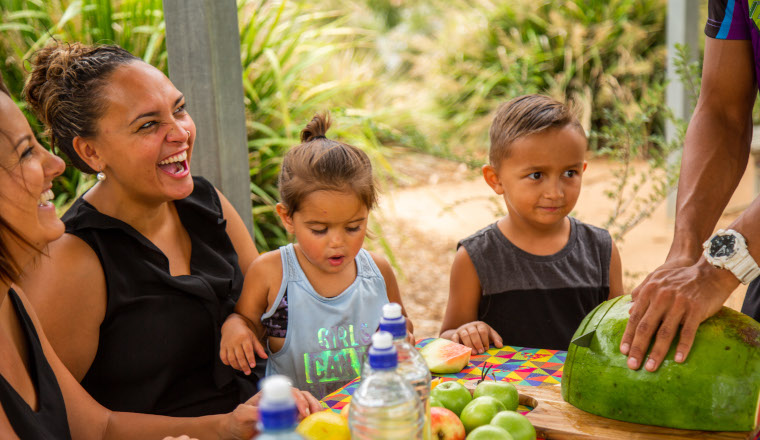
(158, 351)
(49, 421)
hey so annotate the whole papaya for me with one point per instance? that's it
(715, 389)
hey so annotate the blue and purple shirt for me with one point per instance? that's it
(736, 20)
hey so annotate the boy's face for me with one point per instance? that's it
(541, 178)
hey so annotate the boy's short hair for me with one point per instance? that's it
(523, 116)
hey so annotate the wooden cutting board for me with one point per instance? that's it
(554, 418)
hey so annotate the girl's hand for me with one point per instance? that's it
(477, 335)
(410, 339)
(238, 345)
(183, 437)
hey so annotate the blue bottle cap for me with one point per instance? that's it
(393, 321)
(277, 409)
(382, 353)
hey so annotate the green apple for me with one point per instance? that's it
(479, 412)
(489, 432)
(435, 402)
(504, 392)
(452, 395)
(516, 424)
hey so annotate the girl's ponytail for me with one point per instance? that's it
(316, 128)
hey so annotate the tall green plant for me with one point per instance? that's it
(579, 50)
(636, 192)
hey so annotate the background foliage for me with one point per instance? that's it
(424, 74)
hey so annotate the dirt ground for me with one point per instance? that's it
(436, 202)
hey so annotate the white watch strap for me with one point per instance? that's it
(745, 269)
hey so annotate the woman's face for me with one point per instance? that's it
(27, 171)
(144, 140)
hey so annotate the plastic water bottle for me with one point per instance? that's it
(278, 415)
(411, 365)
(385, 406)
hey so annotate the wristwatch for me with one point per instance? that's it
(727, 249)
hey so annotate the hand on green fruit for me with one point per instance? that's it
(479, 412)
(516, 424)
(504, 392)
(489, 432)
(452, 395)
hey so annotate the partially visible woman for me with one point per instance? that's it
(39, 397)
(150, 266)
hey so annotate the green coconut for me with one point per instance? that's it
(715, 389)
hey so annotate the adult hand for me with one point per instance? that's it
(305, 402)
(242, 422)
(673, 296)
(477, 335)
(238, 345)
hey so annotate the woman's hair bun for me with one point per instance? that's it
(66, 89)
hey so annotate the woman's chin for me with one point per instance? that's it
(181, 188)
(53, 231)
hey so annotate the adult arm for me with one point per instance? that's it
(88, 420)
(241, 239)
(686, 290)
(68, 291)
(460, 322)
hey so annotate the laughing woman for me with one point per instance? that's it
(39, 398)
(150, 266)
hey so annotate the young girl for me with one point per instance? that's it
(319, 300)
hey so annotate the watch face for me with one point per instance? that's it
(722, 246)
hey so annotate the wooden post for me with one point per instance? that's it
(203, 43)
(682, 27)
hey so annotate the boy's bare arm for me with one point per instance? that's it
(460, 322)
(616, 273)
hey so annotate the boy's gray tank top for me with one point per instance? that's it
(538, 301)
(326, 337)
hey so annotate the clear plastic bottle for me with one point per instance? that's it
(411, 365)
(278, 415)
(385, 406)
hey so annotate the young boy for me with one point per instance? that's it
(529, 279)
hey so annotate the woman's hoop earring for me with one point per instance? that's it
(101, 176)
(188, 133)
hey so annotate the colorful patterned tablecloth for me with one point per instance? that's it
(522, 366)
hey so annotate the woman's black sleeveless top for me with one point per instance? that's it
(158, 351)
(49, 421)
